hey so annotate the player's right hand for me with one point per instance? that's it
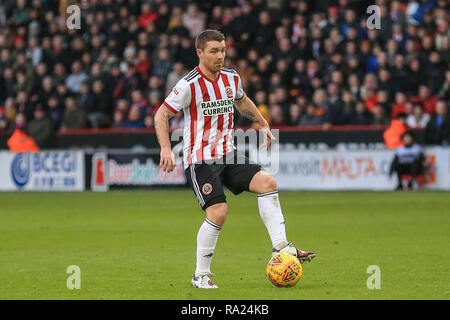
(167, 162)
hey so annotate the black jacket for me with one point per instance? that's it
(435, 134)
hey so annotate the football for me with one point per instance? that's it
(284, 270)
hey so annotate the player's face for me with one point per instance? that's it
(213, 56)
(407, 139)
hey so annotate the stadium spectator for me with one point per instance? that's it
(294, 115)
(360, 116)
(99, 106)
(444, 91)
(426, 99)
(134, 119)
(20, 141)
(174, 76)
(277, 116)
(3, 122)
(415, 77)
(149, 121)
(418, 119)
(55, 110)
(10, 111)
(74, 80)
(378, 115)
(393, 135)
(194, 20)
(41, 128)
(299, 46)
(118, 119)
(162, 65)
(399, 105)
(74, 116)
(311, 118)
(409, 159)
(147, 15)
(438, 128)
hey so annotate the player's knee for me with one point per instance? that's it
(217, 213)
(269, 184)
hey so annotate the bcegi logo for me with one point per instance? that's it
(44, 170)
(20, 169)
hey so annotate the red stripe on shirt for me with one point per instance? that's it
(193, 112)
(207, 119)
(219, 122)
(170, 108)
(230, 115)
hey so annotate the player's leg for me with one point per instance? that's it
(401, 170)
(207, 237)
(208, 189)
(416, 170)
(265, 186)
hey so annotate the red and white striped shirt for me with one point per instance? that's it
(208, 107)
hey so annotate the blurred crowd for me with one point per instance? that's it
(304, 63)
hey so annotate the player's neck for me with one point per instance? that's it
(208, 73)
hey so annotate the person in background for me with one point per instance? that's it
(409, 159)
(276, 115)
(20, 141)
(3, 122)
(41, 128)
(310, 118)
(175, 75)
(55, 110)
(360, 116)
(293, 51)
(134, 119)
(118, 118)
(294, 115)
(437, 130)
(379, 116)
(74, 80)
(98, 107)
(149, 121)
(399, 105)
(74, 116)
(393, 135)
(426, 98)
(260, 101)
(418, 118)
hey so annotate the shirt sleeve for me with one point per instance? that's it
(179, 98)
(240, 91)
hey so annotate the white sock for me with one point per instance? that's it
(270, 212)
(206, 243)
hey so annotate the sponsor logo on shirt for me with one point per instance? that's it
(217, 107)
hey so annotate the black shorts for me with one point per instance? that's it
(207, 178)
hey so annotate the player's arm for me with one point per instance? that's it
(248, 109)
(167, 162)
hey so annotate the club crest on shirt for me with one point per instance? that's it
(207, 188)
(229, 92)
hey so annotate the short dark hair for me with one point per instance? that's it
(401, 115)
(208, 35)
(418, 104)
(408, 133)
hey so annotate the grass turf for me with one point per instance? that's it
(141, 245)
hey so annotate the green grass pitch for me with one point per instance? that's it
(141, 245)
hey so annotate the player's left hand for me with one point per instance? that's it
(268, 137)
